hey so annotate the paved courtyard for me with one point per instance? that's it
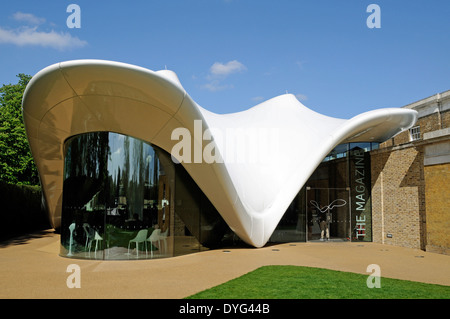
(30, 267)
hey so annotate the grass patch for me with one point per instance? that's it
(295, 282)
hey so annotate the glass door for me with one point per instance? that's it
(328, 214)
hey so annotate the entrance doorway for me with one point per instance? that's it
(331, 205)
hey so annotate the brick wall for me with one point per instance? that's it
(429, 123)
(398, 199)
(445, 119)
(437, 182)
(409, 199)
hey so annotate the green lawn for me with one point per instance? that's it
(295, 282)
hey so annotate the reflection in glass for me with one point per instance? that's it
(125, 199)
(342, 177)
(292, 227)
(84, 194)
(118, 202)
(328, 212)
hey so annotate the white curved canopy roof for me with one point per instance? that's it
(251, 193)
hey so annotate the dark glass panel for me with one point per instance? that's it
(119, 202)
(84, 195)
(196, 212)
(292, 226)
(344, 175)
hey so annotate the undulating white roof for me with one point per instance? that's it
(261, 157)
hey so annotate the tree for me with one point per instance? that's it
(16, 162)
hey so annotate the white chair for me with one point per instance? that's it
(96, 238)
(86, 228)
(154, 237)
(71, 229)
(140, 238)
(91, 235)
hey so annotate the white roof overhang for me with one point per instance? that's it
(75, 97)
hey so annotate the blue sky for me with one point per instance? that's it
(233, 54)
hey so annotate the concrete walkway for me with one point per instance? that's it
(32, 268)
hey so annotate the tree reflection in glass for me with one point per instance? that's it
(120, 202)
(111, 192)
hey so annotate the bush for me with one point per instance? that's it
(21, 210)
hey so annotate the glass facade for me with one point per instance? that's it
(339, 193)
(125, 199)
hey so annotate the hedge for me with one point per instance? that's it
(21, 210)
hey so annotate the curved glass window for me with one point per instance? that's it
(120, 202)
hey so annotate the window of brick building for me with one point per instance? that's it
(414, 133)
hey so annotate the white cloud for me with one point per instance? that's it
(257, 98)
(214, 86)
(228, 68)
(219, 71)
(300, 64)
(31, 36)
(28, 18)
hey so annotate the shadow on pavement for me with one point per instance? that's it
(22, 239)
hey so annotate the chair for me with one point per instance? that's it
(97, 238)
(86, 228)
(154, 237)
(71, 229)
(92, 235)
(140, 238)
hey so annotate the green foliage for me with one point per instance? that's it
(16, 162)
(295, 282)
(21, 210)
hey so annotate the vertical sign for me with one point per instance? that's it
(361, 215)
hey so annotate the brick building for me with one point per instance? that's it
(394, 193)
(410, 176)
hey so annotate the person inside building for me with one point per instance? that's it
(323, 223)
